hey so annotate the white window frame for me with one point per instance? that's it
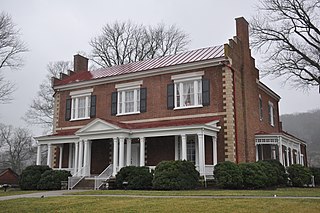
(271, 110)
(180, 81)
(123, 90)
(75, 97)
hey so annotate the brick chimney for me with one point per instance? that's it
(242, 30)
(80, 63)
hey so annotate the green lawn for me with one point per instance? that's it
(291, 192)
(116, 204)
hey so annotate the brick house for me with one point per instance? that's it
(205, 106)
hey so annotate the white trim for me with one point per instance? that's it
(143, 74)
(126, 86)
(187, 76)
(188, 107)
(176, 117)
(81, 92)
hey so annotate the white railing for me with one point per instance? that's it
(76, 178)
(208, 173)
(104, 176)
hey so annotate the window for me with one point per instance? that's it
(81, 102)
(129, 99)
(271, 114)
(188, 90)
(191, 150)
(260, 108)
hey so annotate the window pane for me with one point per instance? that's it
(81, 107)
(199, 92)
(188, 93)
(129, 101)
(138, 100)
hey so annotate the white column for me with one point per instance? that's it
(280, 151)
(214, 151)
(142, 151)
(121, 152)
(76, 154)
(291, 153)
(115, 156)
(128, 151)
(176, 147)
(89, 157)
(80, 161)
(70, 156)
(262, 157)
(287, 155)
(201, 154)
(196, 145)
(60, 156)
(85, 158)
(39, 154)
(184, 147)
(49, 158)
(257, 152)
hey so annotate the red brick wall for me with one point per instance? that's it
(156, 99)
(159, 149)
(100, 155)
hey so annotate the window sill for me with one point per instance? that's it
(79, 119)
(128, 113)
(188, 107)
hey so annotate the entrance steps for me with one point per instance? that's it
(85, 183)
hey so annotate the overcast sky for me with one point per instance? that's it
(56, 30)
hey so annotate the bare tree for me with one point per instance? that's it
(124, 42)
(18, 147)
(288, 33)
(41, 108)
(11, 48)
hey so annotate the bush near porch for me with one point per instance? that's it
(316, 173)
(132, 177)
(299, 175)
(42, 177)
(175, 175)
(261, 174)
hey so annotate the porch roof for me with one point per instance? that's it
(137, 126)
(283, 134)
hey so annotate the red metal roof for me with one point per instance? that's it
(161, 62)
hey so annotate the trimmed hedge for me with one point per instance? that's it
(136, 178)
(31, 175)
(51, 179)
(299, 175)
(254, 176)
(228, 175)
(316, 173)
(275, 172)
(175, 175)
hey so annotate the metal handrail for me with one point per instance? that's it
(75, 179)
(105, 175)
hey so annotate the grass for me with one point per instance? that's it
(113, 204)
(10, 192)
(284, 192)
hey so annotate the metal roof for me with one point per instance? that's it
(139, 66)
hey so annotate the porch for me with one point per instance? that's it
(100, 145)
(282, 147)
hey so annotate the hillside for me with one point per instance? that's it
(307, 127)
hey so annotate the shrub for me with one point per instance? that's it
(299, 175)
(228, 175)
(271, 172)
(30, 177)
(51, 179)
(316, 173)
(175, 175)
(282, 177)
(253, 175)
(136, 177)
